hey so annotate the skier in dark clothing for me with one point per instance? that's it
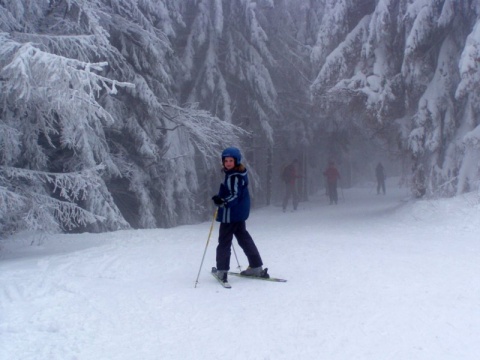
(233, 200)
(332, 175)
(290, 176)
(380, 174)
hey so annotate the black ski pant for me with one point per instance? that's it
(224, 248)
(290, 192)
(381, 185)
(332, 192)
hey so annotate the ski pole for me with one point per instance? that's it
(236, 257)
(206, 246)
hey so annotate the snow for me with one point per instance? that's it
(374, 277)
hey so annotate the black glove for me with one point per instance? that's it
(218, 200)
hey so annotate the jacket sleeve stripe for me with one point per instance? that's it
(232, 185)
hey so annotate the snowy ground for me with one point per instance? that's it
(374, 278)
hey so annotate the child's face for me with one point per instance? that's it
(229, 163)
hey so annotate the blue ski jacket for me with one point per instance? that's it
(234, 191)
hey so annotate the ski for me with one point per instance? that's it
(225, 284)
(265, 276)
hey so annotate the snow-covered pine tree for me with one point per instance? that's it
(434, 43)
(338, 99)
(50, 112)
(406, 83)
(468, 92)
(332, 28)
(288, 40)
(227, 65)
(45, 202)
(162, 141)
(62, 113)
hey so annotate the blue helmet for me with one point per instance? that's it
(234, 153)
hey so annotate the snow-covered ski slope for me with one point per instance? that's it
(373, 278)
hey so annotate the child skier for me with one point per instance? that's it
(233, 200)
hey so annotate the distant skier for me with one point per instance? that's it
(332, 175)
(289, 177)
(233, 200)
(380, 174)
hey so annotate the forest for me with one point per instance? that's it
(113, 113)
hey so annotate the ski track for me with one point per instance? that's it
(355, 290)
